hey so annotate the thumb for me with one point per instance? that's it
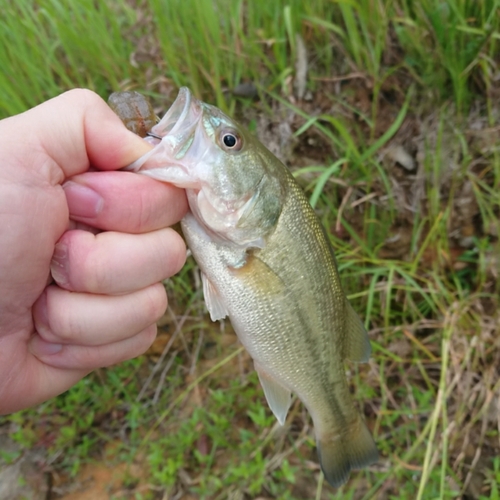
(77, 130)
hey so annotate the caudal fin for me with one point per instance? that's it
(339, 455)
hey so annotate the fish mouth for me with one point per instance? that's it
(184, 113)
(172, 137)
(182, 117)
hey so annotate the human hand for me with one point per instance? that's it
(100, 303)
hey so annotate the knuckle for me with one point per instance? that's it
(145, 339)
(96, 275)
(143, 214)
(90, 267)
(155, 302)
(171, 252)
(178, 249)
(61, 320)
(83, 95)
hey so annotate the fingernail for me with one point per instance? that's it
(59, 265)
(82, 201)
(40, 315)
(39, 347)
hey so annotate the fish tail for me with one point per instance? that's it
(340, 453)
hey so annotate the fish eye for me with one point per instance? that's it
(231, 140)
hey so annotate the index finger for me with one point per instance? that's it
(124, 201)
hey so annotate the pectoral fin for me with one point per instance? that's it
(277, 396)
(358, 347)
(214, 303)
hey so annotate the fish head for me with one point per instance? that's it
(229, 176)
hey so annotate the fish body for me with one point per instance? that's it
(267, 264)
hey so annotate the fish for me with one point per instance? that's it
(266, 263)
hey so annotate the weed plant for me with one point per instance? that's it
(396, 144)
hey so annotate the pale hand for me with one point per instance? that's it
(72, 300)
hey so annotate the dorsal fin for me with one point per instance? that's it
(357, 347)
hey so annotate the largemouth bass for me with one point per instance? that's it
(267, 264)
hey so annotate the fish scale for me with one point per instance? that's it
(267, 263)
(303, 297)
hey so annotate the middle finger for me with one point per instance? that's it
(116, 263)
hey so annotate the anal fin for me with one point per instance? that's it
(278, 397)
(358, 347)
(214, 303)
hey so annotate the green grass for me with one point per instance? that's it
(418, 249)
(48, 47)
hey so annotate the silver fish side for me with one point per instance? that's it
(268, 265)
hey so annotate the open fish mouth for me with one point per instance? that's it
(174, 134)
(181, 118)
